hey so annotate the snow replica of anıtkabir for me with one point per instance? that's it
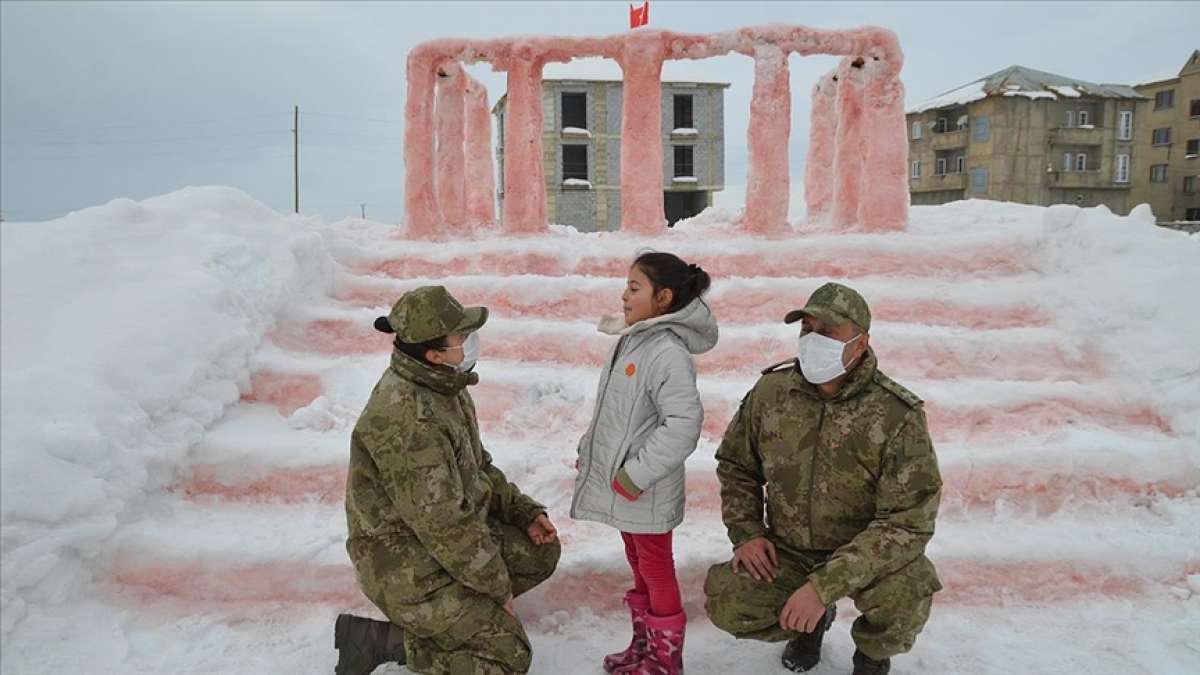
(855, 175)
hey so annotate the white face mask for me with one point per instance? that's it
(470, 349)
(821, 357)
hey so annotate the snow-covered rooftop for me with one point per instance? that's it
(1022, 81)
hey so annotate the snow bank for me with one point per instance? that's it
(127, 329)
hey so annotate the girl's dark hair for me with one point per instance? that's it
(666, 270)
(417, 349)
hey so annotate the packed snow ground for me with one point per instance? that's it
(180, 376)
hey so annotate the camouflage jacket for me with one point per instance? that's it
(420, 479)
(854, 477)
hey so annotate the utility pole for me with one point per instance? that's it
(363, 207)
(296, 156)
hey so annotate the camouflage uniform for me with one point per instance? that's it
(436, 531)
(851, 488)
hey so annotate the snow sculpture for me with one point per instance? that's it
(855, 174)
(481, 183)
(451, 144)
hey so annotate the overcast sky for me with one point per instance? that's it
(100, 100)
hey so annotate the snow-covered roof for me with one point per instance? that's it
(1022, 81)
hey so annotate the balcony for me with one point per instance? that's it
(940, 181)
(1077, 136)
(1083, 179)
(950, 139)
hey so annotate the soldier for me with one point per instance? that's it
(840, 457)
(441, 541)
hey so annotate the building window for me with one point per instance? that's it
(1189, 185)
(1125, 126)
(1161, 136)
(1192, 215)
(959, 164)
(1081, 162)
(979, 180)
(1193, 148)
(914, 170)
(981, 130)
(684, 161)
(1158, 173)
(1122, 173)
(1068, 161)
(575, 162)
(1070, 119)
(963, 122)
(916, 131)
(1164, 99)
(940, 168)
(942, 125)
(683, 112)
(1084, 118)
(1194, 108)
(574, 110)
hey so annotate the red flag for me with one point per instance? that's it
(639, 16)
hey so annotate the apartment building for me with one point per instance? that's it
(1166, 167)
(1028, 136)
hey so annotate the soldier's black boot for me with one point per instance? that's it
(804, 653)
(364, 644)
(865, 665)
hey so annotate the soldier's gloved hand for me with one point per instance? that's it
(541, 530)
(759, 558)
(803, 611)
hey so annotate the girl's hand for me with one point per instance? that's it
(541, 530)
(624, 486)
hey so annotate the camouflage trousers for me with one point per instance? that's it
(894, 608)
(458, 631)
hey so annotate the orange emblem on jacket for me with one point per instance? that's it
(630, 370)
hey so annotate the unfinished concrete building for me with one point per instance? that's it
(581, 146)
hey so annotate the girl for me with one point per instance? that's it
(646, 423)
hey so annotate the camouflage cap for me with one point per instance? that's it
(835, 304)
(430, 312)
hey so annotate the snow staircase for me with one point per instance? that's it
(1056, 479)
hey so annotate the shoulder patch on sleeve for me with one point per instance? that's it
(790, 363)
(910, 399)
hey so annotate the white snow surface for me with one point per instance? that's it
(154, 522)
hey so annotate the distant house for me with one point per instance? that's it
(581, 139)
(1166, 170)
(1026, 136)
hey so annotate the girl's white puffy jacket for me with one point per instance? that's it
(646, 423)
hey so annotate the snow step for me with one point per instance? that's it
(968, 304)
(523, 400)
(906, 351)
(599, 584)
(827, 257)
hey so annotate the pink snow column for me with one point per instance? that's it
(420, 204)
(524, 181)
(480, 177)
(822, 134)
(770, 128)
(451, 157)
(641, 133)
(884, 205)
(849, 151)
